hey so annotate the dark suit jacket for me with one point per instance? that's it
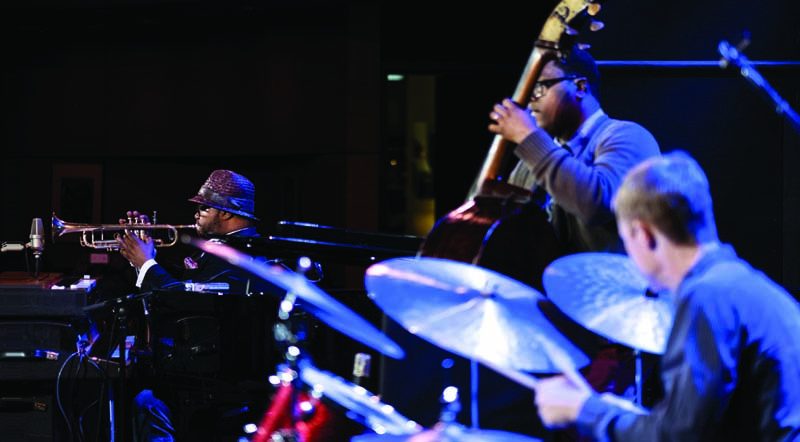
(209, 269)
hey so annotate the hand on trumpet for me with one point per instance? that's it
(136, 246)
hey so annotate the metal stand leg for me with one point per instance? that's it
(122, 319)
(473, 392)
(111, 422)
(638, 377)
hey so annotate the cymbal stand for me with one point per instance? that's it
(289, 336)
(450, 396)
(637, 376)
(288, 339)
(450, 405)
(473, 393)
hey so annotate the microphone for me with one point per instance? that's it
(733, 55)
(37, 238)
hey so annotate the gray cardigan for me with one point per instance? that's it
(582, 177)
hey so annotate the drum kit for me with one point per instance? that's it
(472, 312)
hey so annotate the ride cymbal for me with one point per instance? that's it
(471, 311)
(605, 293)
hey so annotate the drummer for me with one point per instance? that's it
(731, 370)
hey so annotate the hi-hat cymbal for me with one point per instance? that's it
(315, 300)
(362, 406)
(605, 293)
(449, 433)
(471, 311)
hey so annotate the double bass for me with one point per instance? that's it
(500, 227)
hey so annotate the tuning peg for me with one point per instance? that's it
(584, 46)
(596, 25)
(593, 9)
(570, 30)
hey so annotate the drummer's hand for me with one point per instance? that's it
(511, 121)
(560, 401)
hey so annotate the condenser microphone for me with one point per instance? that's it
(37, 237)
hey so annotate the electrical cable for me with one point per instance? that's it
(58, 394)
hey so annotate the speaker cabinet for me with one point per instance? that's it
(27, 418)
(34, 349)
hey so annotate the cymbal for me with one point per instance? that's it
(449, 433)
(605, 293)
(364, 407)
(316, 301)
(471, 311)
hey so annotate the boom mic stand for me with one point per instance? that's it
(735, 56)
(119, 307)
(36, 245)
(16, 246)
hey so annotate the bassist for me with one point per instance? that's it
(571, 149)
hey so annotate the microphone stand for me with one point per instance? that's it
(733, 55)
(37, 259)
(119, 307)
(36, 244)
(121, 314)
(14, 246)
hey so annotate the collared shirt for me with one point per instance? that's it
(731, 370)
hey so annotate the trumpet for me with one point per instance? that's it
(94, 235)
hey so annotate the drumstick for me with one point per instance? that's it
(559, 360)
(517, 376)
(563, 364)
(532, 383)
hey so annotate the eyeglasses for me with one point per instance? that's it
(540, 87)
(203, 208)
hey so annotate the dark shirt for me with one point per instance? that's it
(731, 370)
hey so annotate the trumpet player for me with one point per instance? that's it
(225, 206)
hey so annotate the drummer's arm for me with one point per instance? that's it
(699, 373)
